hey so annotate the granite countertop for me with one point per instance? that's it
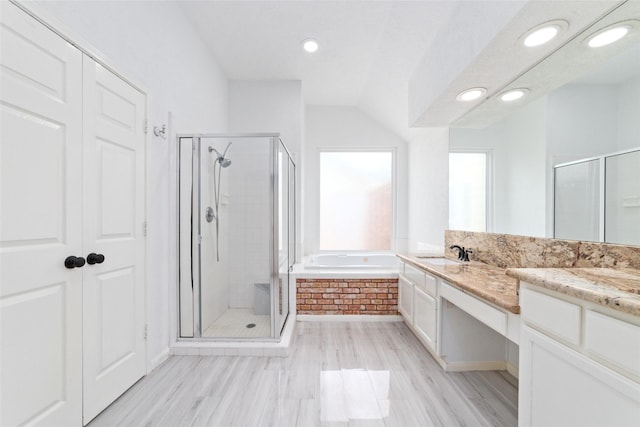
(615, 288)
(485, 281)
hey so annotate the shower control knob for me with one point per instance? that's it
(94, 258)
(73, 262)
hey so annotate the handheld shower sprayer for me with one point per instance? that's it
(222, 162)
(222, 159)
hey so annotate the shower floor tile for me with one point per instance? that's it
(233, 324)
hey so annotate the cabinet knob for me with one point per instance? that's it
(94, 258)
(73, 262)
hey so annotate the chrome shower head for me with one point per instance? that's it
(221, 159)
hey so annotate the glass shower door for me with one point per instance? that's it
(577, 201)
(283, 240)
(237, 240)
(622, 198)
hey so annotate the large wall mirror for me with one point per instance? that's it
(593, 116)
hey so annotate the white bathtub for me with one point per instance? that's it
(365, 261)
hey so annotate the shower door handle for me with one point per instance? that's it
(73, 262)
(94, 258)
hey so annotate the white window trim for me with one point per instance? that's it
(394, 194)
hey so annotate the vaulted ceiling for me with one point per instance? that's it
(385, 57)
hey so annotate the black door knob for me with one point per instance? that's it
(94, 258)
(73, 262)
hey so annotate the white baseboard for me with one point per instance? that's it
(157, 360)
(513, 370)
(347, 318)
(498, 365)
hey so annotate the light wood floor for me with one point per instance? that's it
(338, 374)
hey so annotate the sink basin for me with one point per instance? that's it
(440, 261)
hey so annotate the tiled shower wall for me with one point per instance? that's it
(347, 296)
(249, 221)
(506, 251)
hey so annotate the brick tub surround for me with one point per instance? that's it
(347, 296)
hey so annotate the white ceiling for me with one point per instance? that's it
(369, 49)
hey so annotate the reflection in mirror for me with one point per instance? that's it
(467, 191)
(622, 198)
(577, 201)
(594, 115)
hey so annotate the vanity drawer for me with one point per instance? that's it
(421, 279)
(413, 274)
(549, 314)
(429, 285)
(613, 341)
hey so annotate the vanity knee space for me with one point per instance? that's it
(462, 332)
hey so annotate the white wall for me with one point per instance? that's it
(345, 127)
(517, 147)
(259, 107)
(520, 202)
(582, 121)
(628, 109)
(154, 45)
(428, 204)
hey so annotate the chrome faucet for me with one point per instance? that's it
(463, 254)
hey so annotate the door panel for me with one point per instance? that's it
(40, 151)
(38, 148)
(117, 170)
(405, 299)
(113, 202)
(425, 316)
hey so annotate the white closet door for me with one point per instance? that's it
(113, 221)
(40, 150)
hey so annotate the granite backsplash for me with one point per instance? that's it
(511, 251)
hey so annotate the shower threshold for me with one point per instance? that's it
(238, 346)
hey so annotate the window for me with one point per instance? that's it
(468, 191)
(356, 200)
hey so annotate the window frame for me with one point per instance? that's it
(489, 200)
(394, 195)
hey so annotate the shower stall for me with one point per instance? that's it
(236, 236)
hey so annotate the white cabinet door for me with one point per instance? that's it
(425, 317)
(561, 387)
(405, 299)
(113, 218)
(40, 299)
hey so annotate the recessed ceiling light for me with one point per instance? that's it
(310, 45)
(513, 95)
(543, 33)
(471, 94)
(608, 35)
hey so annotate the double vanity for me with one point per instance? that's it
(567, 324)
